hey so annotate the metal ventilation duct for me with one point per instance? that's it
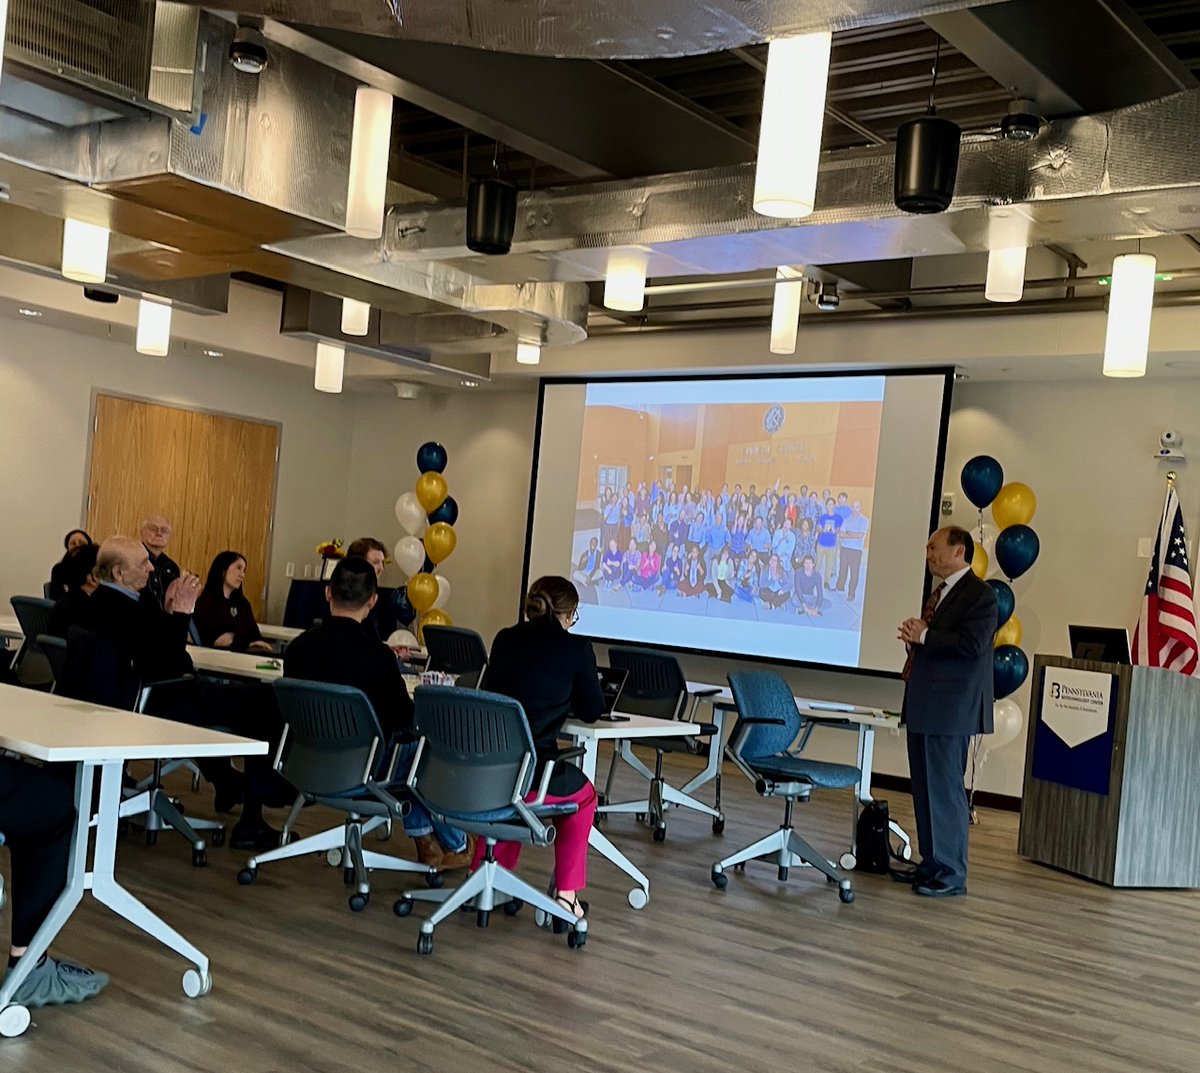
(1123, 174)
(595, 29)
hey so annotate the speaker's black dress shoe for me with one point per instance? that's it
(938, 888)
(910, 874)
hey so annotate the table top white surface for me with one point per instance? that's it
(257, 665)
(821, 710)
(50, 728)
(10, 627)
(637, 726)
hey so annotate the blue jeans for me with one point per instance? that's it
(418, 822)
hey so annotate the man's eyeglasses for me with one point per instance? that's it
(574, 617)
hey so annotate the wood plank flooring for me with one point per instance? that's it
(1034, 970)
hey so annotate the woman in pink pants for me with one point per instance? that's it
(553, 674)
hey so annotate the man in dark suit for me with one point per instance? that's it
(156, 535)
(947, 699)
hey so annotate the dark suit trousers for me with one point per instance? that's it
(937, 763)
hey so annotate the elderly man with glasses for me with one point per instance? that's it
(156, 535)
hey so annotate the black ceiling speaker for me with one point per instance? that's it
(926, 164)
(95, 294)
(491, 216)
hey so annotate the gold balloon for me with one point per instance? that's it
(440, 539)
(431, 490)
(437, 617)
(979, 564)
(422, 592)
(1010, 632)
(1015, 504)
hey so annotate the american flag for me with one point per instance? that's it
(1166, 629)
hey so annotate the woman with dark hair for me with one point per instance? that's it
(71, 609)
(59, 573)
(552, 673)
(223, 616)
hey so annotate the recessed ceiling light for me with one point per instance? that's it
(469, 383)
(25, 311)
(214, 353)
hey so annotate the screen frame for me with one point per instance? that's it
(935, 506)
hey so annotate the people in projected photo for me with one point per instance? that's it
(759, 538)
(809, 591)
(610, 564)
(698, 530)
(827, 540)
(672, 571)
(641, 530)
(722, 577)
(737, 538)
(647, 576)
(776, 587)
(631, 563)
(747, 578)
(693, 580)
(806, 542)
(587, 569)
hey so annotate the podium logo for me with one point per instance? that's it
(1077, 712)
(1055, 690)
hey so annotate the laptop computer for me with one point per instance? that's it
(1109, 644)
(612, 681)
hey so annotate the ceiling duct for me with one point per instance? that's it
(1129, 173)
(595, 29)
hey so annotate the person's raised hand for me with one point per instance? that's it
(180, 597)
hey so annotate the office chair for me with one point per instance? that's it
(474, 768)
(95, 671)
(655, 686)
(30, 665)
(3, 893)
(332, 752)
(456, 651)
(760, 745)
(54, 651)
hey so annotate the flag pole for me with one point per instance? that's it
(1171, 475)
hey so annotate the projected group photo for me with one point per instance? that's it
(746, 511)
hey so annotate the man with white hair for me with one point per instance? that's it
(156, 535)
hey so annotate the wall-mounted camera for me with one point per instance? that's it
(248, 50)
(1170, 446)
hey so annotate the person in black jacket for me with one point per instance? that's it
(80, 580)
(553, 674)
(156, 535)
(381, 622)
(224, 617)
(72, 542)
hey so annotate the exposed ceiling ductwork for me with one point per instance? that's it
(596, 29)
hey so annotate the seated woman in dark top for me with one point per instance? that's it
(73, 541)
(81, 582)
(223, 616)
(553, 675)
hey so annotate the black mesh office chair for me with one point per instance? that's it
(768, 726)
(54, 650)
(474, 768)
(332, 752)
(456, 651)
(29, 665)
(655, 686)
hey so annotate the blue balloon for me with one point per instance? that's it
(431, 456)
(1017, 549)
(447, 512)
(429, 566)
(403, 610)
(1006, 602)
(982, 478)
(1009, 668)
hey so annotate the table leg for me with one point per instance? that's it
(587, 763)
(107, 891)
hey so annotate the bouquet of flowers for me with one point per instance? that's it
(331, 549)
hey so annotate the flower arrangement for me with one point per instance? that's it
(331, 549)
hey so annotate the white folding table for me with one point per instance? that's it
(53, 729)
(589, 736)
(221, 662)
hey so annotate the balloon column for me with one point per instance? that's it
(1015, 548)
(427, 515)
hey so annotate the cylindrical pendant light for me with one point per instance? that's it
(785, 314)
(356, 316)
(625, 282)
(528, 353)
(154, 327)
(370, 147)
(1130, 305)
(84, 251)
(3, 32)
(793, 113)
(1005, 275)
(331, 361)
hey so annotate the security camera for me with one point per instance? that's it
(1171, 438)
(828, 298)
(1171, 449)
(1022, 123)
(248, 50)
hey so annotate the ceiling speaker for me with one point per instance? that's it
(491, 216)
(926, 164)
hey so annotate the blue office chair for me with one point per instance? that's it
(332, 752)
(54, 650)
(474, 768)
(456, 651)
(761, 746)
(29, 665)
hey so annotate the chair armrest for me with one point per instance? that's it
(548, 772)
(763, 719)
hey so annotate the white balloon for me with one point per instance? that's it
(409, 555)
(1008, 719)
(411, 515)
(443, 596)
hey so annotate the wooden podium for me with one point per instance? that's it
(1121, 806)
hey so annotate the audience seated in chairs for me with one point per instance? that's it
(72, 542)
(156, 535)
(37, 819)
(154, 642)
(552, 673)
(80, 580)
(224, 617)
(343, 651)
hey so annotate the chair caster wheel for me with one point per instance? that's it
(14, 1020)
(196, 984)
(660, 833)
(435, 880)
(424, 944)
(638, 898)
(218, 837)
(358, 902)
(482, 917)
(334, 857)
(718, 825)
(402, 907)
(513, 907)
(199, 858)
(348, 876)
(847, 861)
(720, 879)
(846, 894)
(247, 876)
(576, 939)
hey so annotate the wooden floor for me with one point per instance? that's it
(1035, 970)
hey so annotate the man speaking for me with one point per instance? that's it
(947, 699)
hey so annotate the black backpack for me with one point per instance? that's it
(874, 852)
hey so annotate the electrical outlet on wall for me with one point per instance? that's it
(289, 570)
(947, 503)
(308, 569)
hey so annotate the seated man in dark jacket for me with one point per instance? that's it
(344, 651)
(154, 642)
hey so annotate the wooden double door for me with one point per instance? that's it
(211, 476)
